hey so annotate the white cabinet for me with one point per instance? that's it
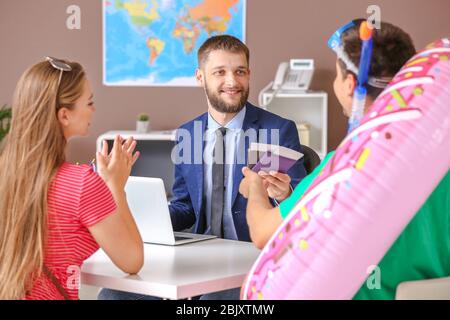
(310, 107)
(168, 135)
(155, 148)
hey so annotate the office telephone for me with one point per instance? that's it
(294, 75)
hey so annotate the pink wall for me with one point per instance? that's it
(276, 31)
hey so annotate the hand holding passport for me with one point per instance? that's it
(269, 157)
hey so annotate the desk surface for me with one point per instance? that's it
(177, 272)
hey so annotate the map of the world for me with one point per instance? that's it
(155, 42)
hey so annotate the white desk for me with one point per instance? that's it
(177, 272)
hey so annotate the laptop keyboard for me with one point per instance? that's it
(181, 238)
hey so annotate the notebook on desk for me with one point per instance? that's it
(147, 201)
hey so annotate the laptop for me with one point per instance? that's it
(148, 203)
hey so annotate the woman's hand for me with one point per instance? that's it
(115, 168)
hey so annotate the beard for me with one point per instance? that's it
(220, 105)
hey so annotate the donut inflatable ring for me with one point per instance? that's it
(370, 189)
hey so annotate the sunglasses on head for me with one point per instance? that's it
(59, 65)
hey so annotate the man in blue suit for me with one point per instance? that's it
(224, 74)
(212, 150)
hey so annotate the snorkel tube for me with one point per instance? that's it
(359, 96)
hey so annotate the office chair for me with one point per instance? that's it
(310, 159)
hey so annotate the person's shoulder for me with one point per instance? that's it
(441, 193)
(267, 118)
(68, 169)
(73, 174)
(189, 125)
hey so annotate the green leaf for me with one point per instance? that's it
(5, 117)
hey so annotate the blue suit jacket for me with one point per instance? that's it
(187, 207)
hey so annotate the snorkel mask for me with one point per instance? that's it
(361, 72)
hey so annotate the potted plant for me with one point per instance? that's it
(142, 123)
(5, 121)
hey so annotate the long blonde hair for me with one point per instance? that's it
(34, 150)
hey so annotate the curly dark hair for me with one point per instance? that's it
(392, 48)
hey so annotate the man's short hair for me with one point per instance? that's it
(221, 42)
(392, 48)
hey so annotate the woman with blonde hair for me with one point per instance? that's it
(53, 214)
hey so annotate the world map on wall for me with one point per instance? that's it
(155, 42)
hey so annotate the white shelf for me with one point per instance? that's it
(295, 94)
(167, 135)
(302, 106)
(155, 149)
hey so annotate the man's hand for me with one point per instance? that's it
(277, 184)
(250, 178)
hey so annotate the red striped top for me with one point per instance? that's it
(77, 199)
